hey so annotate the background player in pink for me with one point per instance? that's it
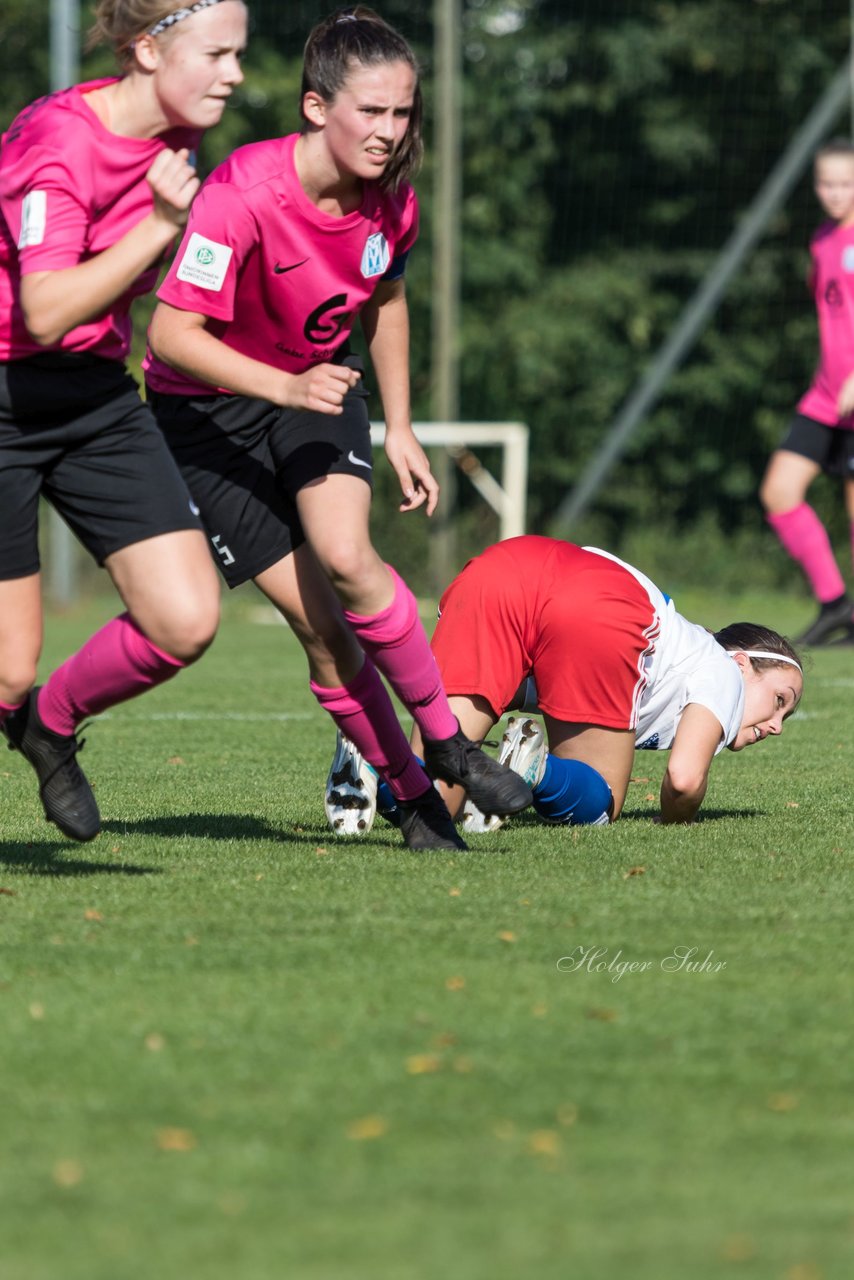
(252, 380)
(589, 642)
(95, 182)
(821, 434)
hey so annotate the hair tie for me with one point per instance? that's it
(774, 657)
(178, 16)
(346, 17)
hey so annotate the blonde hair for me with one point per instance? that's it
(120, 23)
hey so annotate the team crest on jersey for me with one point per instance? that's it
(848, 258)
(376, 257)
(33, 219)
(205, 263)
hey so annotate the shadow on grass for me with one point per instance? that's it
(215, 826)
(705, 815)
(39, 858)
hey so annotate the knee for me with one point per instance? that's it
(352, 568)
(187, 633)
(16, 681)
(573, 793)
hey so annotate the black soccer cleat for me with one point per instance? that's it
(492, 787)
(64, 789)
(426, 824)
(831, 618)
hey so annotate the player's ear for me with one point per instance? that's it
(314, 109)
(146, 52)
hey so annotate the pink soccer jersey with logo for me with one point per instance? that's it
(68, 190)
(281, 281)
(832, 251)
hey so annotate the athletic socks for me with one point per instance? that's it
(573, 793)
(117, 663)
(805, 538)
(398, 644)
(363, 712)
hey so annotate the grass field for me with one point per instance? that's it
(235, 1047)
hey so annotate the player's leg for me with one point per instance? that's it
(20, 639)
(586, 773)
(383, 614)
(791, 470)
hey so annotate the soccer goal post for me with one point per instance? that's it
(508, 498)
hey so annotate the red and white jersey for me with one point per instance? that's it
(686, 665)
(280, 281)
(832, 278)
(69, 189)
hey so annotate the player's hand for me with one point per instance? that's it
(321, 389)
(845, 403)
(412, 468)
(174, 182)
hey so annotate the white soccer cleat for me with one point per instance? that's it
(475, 823)
(523, 749)
(351, 791)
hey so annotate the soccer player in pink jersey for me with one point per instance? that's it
(591, 644)
(821, 434)
(95, 184)
(263, 405)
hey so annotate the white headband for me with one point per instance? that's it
(774, 657)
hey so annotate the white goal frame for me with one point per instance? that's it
(507, 499)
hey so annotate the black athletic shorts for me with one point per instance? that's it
(245, 460)
(74, 429)
(832, 448)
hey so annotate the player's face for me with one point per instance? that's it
(834, 187)
(368, 118)
(198, 66)
(769, 697)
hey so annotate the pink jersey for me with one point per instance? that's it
(69, 189)
(281, 281)
(832, 251)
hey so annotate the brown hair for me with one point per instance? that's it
(744, 636)
(120, 22)
(358, 36)
(835, 147)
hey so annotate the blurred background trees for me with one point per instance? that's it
(609, 149)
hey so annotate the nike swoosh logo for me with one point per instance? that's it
(280, 271)
(358, 462)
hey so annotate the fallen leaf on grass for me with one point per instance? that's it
(539, 1010)
(443, 1039)
(804, 1271)
(155, 1041)
(783, 1102)
(91, 914)
(367, 1127)
(174, 760)
(453, 893)
(175, 1140)
(36, 1012)
(423, 1064)
(67, 1173)
(507, 936)
(738, 1249)
(544, 1142)
(320, 851)
(634, 871)
(650, 795)
(10, 893)
(601, 1015)
(792, 804)
(455, 984)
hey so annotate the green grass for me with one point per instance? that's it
(234, 1047)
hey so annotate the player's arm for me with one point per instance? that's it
(385, 323)
(845, 401)
(698, 736)
(182, 340)
(54, 302)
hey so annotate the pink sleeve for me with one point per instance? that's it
(220, 234)
(47, 220)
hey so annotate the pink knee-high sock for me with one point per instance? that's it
(398, 644)
(117, 663)
(363, 712)
(805, 538)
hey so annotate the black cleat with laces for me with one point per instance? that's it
(426, 824)
(492, 787)
(64, 789)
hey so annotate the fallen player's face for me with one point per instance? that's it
(769, 697)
